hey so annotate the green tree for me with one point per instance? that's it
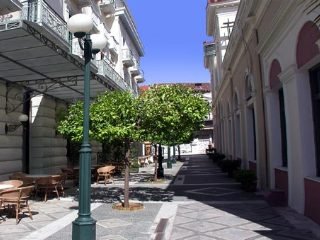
(71, 124)
(113, 117)
(170, 115)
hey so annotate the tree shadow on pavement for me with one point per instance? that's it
(115, 194)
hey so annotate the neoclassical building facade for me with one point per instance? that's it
(41, 72)
(266, 98)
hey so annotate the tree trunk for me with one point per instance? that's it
(155, 158)
(127, 174)
(160, 158)
(179, 153)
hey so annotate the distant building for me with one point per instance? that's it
(266, 83)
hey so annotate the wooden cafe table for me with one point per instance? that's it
(5, 186)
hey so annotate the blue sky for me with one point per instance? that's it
(172, 32)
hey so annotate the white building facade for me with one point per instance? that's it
(42, 72)
(267, 99)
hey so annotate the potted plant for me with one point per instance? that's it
(230, 166)
(248, 180)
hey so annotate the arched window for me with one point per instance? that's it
(275, 85)
(275, 70)
(307, 47)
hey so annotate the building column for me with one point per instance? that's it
(301, 152)
(273, 133)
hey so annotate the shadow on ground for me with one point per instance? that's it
(115, 194)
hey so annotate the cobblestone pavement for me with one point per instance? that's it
(194, 201)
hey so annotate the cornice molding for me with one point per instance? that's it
(288, 14)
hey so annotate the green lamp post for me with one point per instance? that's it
(84, 226)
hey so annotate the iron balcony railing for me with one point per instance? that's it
(41, 13)
(105, 2)
(107, 70)
(127, 55)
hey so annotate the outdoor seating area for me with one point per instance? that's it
(105, 173)
(145, 160)
(14, 198)
(15, 193)
(21, 187)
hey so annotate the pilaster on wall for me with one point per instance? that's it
(273, 132)
(47, 150)
(10, 143)
(301, 157)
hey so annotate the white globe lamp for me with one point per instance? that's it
(80, 24)
(99, 42)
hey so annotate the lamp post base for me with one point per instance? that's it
(84, 229)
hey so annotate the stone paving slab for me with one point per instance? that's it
(197, 202)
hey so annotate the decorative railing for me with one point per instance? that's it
(107, 70)
(127, 54)
(75, 48)
(40, 12)
(95, 16)
(105, 2)
(209, 49)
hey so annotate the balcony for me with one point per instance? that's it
(209, 49)
(83, 3)
(106, 70)
(113, 45)
(140, 77)
(8, 6)
(35, 52)
(135, 69)
(42, 17)
(107, 7)
(127, 58)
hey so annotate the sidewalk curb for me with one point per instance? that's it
(163, 223)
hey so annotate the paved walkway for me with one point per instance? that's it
(195, 201)
(220, 210)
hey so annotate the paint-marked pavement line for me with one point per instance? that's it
(56, 226)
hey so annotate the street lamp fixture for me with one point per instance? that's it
(84, 226)
(23, 119)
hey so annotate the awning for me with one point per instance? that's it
(31, 56)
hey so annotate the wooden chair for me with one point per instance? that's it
(27, 181)
(68, 172)
(50, 184)
(17, 176)
(105, 173)
(18, 198)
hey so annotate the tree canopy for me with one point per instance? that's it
(171, 114)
